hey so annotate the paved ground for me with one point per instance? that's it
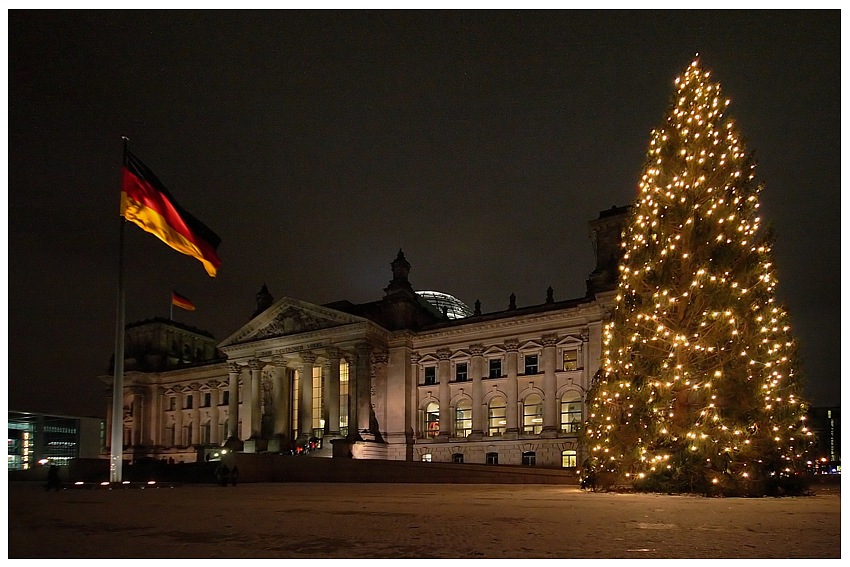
(413, 521)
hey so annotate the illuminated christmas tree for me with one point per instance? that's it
(699, 388)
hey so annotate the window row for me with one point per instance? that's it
(531, 420)
(529, 458)
(205, 401)
(530, 365)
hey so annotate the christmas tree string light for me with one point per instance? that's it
(699, 388)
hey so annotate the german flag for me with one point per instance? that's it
(146, 202)
(181, 301)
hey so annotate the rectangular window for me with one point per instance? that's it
(531, 364)
(495, 368)
(461, 374)
(189, 401)
(172, 403)
(318, 419)
(457, 458)
(343, 397)
(225, 398)
(496, 416)
(529, 458)
(571, 359)
(430, 375)
(207, 399)
(568, 459)
(570, 415)
(463, 419)
(492, 458)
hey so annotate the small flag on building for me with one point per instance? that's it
(147, 203)
(181, 301)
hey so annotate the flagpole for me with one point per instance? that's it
(117, 438)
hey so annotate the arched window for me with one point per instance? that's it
(463, 418)
(432, 420)
(532, 414)
(497, 422)
(568, 459)
(570, 412)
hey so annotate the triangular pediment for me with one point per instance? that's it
(287, 317)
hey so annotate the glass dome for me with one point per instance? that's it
(455, 308)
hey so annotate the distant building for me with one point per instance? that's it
(411, 376)
(34, 437)
(825, 423)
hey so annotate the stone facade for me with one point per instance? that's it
(396, 378)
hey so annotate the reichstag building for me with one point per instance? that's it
(415, 375)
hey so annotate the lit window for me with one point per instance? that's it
(531, 364)
(343, 397)
(568, 459)
(570, 413)
(463, 418)
(529, 458)
(532, 414)
(461, 374)
(497, 420)
(495, 368)
(432, 420)
(571, 359)
(430, 375)
(426, 458)
(318, 422)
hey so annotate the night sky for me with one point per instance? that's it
(316, 144)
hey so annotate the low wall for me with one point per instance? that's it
(266, 467)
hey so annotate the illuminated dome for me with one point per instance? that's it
(455, 308)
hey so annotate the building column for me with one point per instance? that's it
(256, 417)
(550, 383)
(233, 403)
(305, 401)
(444, 371)
(364, 387)
(511, 359)
(282, 389)
(331, 392)
(479, 412)
(159, 419)
(196, 414)
(413, 420)
(178, 419)
(108, 418)
(136, 421)
(215, 398)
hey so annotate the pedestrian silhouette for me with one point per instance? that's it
(234, 475)
(53, 480)
(223, 474)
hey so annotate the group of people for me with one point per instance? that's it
(227, 476)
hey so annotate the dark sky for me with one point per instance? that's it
(316, 144)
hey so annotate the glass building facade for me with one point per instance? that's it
(34, 437)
